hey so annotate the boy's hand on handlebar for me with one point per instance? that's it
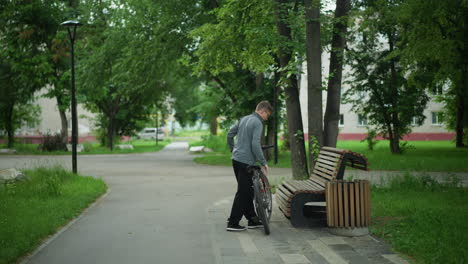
(265, 170)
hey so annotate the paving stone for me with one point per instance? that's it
(294, 259)
(341, 247)
(316, 258)
(232, 252)
(327, 253)
(332, 240)
(395, 258)
(234, 259)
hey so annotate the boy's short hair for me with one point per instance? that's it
(264, 105)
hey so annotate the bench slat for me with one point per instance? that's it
(314, 185)
(336, 149)
(328, 153)
(302, 185)
(284, 197)
(332, 159)
(332, 169)
(318, 180)
(328, 162)
(291, 188)
(285, 191)
(320, 172)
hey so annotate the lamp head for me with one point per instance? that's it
(71, 23)
(71, 26)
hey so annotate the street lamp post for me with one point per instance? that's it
(71, 26)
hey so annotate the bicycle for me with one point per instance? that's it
(262, 195)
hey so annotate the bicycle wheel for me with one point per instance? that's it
(268, 201)
(260, 206)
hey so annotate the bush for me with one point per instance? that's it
(46, 182)
(52, 143)
(371, 134)
(87, 146)
(216, 143)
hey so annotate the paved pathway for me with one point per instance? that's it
(164, 208)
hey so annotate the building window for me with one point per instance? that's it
(436, 90)
(415, 121)
(362, 120)
(341, 123)
(437, 118)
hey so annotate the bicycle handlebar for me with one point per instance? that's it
(265, 147)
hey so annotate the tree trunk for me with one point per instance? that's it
(314, 76)
(395, 144)
(461, 105)
(214, 126)
(395, 122)
(110, 133)
(332, 112)
(64, 122)
(9, 126)
(270, 139)
(293, 108)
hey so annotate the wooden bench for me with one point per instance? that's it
(303, 202)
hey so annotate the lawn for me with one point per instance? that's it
(140, 146)
(35, 208)
(422, 219)
(191, 133)
(420, 156)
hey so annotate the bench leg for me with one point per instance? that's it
(308, 216)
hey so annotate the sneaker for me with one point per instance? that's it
(235, 227)
(254, 223)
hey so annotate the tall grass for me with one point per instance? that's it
(422, 218)
(33, 209)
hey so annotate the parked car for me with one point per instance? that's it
(150, 133)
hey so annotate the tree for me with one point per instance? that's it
(293, 108)
(108, 82)
(332, 111)
(23, 68)
(436, 54)
(314, 76)
(235, 53)
(379, 88)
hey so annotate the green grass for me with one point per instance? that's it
(420, 156)
(191, 133)
(422, 219)
(140, 146)
(35, 208)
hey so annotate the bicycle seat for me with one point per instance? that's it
(251, 168)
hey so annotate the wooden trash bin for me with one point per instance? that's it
(348, 207)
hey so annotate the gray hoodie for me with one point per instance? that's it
(247, 148)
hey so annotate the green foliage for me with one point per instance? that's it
(23, 62)
(422, 218)
(52, 143)
(435, 52)
(35, 208)
(379, 87)
(315, 147)
(370, 139)
(234, 52)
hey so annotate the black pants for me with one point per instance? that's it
(243, 201)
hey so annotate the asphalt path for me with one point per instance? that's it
(156, 211)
